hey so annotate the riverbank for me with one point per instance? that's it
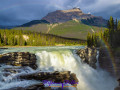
(38, 46)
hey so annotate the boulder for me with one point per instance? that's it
(57, 77)
(88, 55)
(19, 59)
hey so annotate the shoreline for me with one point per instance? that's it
(37, 46)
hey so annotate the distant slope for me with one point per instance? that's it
(36, 28)
(70, 29)
(34, 22)
(74, 29)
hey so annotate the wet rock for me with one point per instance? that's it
(74, 79)
(88, 55)
(32, 87)
(57, 77)
(38, 87)
(19, 59)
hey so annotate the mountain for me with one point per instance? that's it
(71, 23)
(70, 29)
(34, 22)
(61, 16)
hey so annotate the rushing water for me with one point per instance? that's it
(59, 59)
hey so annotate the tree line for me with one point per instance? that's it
(28, 38)
(111, 35)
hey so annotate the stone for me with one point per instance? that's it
(88, 55)
(74, 79)
(19, 59)
(57, 77)
(38, 87)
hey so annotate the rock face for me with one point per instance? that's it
(88, 55)
(19, 59)
(61, 16)
(57, 77)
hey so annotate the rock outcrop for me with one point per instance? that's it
(57, 77)
(61, 16)
(19, 59)
(47, 78)
(88, 55)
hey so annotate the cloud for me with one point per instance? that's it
(17, 12)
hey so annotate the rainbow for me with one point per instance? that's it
(109, 50)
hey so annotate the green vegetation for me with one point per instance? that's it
(111, 35)
(75, 29)
(70, 29)
(28, 38)
(94, 39)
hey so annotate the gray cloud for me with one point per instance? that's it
(16, 12)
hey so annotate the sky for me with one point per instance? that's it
(17, 12)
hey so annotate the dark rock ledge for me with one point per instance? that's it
(56, 77)
(88, 55)
(19, 59)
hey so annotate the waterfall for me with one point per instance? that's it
(67, 60)
(58, 59)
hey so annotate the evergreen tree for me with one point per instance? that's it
(118, 25)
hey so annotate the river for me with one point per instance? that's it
(62, 58)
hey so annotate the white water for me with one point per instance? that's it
(63, 59)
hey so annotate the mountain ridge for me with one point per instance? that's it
(60, 16)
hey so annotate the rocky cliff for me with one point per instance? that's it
(61, 16)
(19, 59)
(88, 55)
